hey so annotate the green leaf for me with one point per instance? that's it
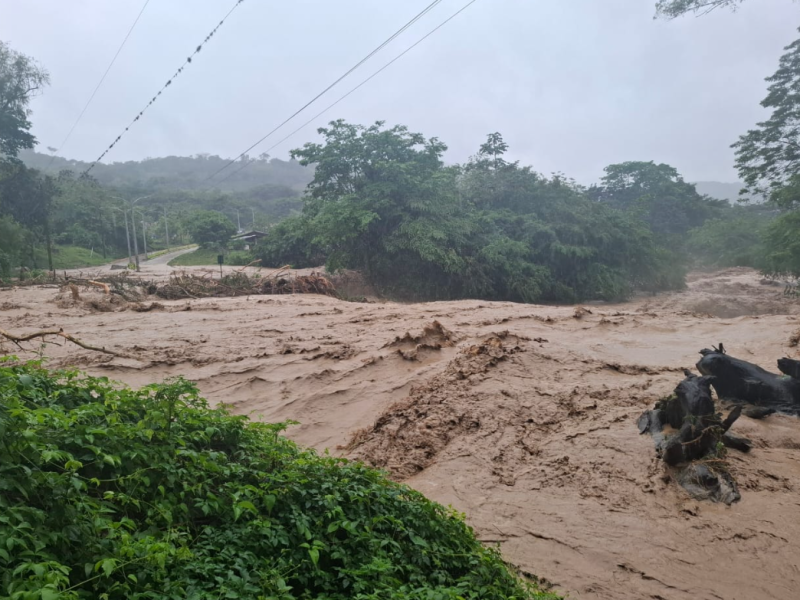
(48, 593)
(107, 565)
(314, 554)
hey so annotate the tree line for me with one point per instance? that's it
(382, 200)
(48, 204)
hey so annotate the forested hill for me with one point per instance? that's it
(182, 172)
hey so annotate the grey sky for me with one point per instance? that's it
(573, 85)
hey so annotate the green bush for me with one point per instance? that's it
(737, 241)
(782, 246)
(239, 258)
(107, 492)
(290, 243)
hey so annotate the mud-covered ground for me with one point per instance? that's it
(521, 416)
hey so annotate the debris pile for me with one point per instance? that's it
(186, 285)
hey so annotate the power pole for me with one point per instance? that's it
(128, 237)
(166, 227)
(144, 234)
(133, 223)
(135, 242)
(254, 218)
(238, 222)
(127, 232)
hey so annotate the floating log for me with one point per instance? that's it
(737, 380)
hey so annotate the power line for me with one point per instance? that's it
(368, 79)
(102, 79)
(166, 85)
(425, 11)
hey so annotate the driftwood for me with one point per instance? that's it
(20, 339)
(739, 381)
(695, 441)
(690, 435)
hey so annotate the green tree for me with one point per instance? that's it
(382, 201)
(658, 193)
(768, 156)
(20, 79)
(12, 235)
(782, 246)
(27, 196)
(210, 229)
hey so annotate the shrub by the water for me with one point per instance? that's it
(108, 492)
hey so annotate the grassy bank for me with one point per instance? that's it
(71, 257)
(198, 258)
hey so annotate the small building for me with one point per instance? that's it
(249, 238)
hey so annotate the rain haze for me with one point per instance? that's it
(572, 86)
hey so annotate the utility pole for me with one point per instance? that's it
(133, 223)
(238, 222)
(135, 242)
(166, 227)
(127, 233)
(144, 233)
(144, 236)
(254, 218)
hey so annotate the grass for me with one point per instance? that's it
(72, 257)
(198, 258)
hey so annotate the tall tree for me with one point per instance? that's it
(659, 194)
(768, 157)
(20, 79)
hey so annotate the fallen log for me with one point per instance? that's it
(697, 448)
(736, 380)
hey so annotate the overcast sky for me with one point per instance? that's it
(573, 85)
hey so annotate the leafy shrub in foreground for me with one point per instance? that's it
(108, 492)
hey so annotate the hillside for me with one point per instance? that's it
(182, 172)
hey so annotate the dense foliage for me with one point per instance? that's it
(20, 79)
(669, 205)
(383, 202)
(210, 229)
(107, 492)
(734, 240)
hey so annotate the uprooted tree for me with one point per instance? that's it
(696, 449)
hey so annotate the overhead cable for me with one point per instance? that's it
(425, 11)
(166, 85)
(368, 79)
(102, 79)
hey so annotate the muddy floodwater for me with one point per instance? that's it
(521, 416)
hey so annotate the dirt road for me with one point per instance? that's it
(523, 417)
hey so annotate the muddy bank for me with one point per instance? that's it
(524, 417)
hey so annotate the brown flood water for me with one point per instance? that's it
(521, 416)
